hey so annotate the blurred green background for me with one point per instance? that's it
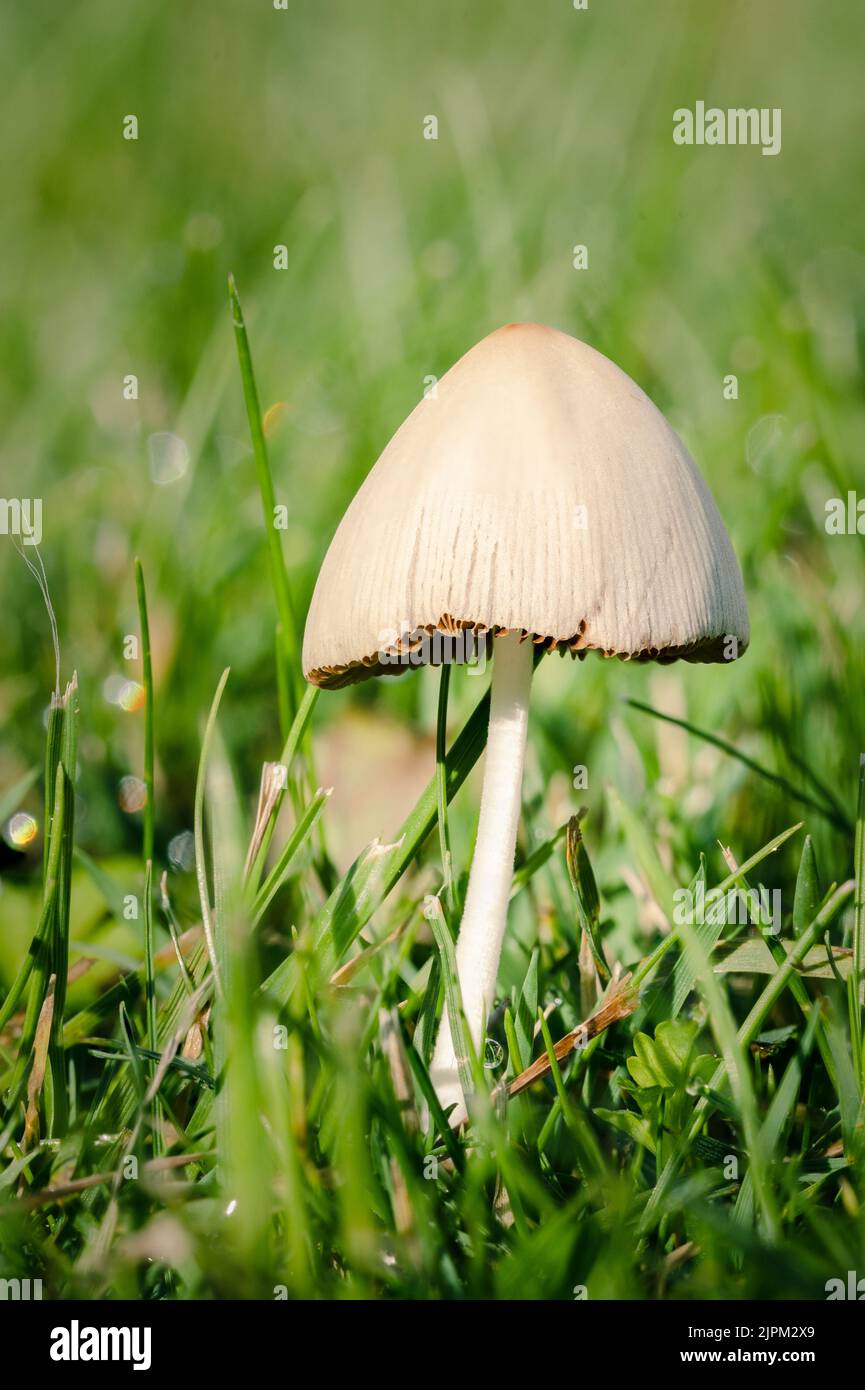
(304, 127)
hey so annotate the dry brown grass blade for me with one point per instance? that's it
(95, 1256)
(193, 1046)
(347, 972)
(621, 1001)
(37, 1071)
(62, 1190)
(165, 956)
(187, 941)
(79, 968)
(393, 1051)
(271, 787)
(188, 1017)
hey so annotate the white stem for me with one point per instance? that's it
(482, 928)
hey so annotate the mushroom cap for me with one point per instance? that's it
(538, 489)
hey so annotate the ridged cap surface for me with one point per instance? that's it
(538, 490)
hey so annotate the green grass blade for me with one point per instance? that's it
(60, 936)
(368, 882)
(647, 966)
(858, 931)
(589, 1152)
(837, 817)
(438, 1119)
(278, 571)
(38, 944)
(288, 855)
(463, 1050)
(424, 1033)
(149, 952)
(147, 670)
(807, 896)
(746, 1035)
(207, 918)
(296, 736)
(53, 738)
(527, 1010)
(441, 791)
(738, 1072)
(586, 894)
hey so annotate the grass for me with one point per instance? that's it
(217, 1012)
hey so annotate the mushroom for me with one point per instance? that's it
(537, 499)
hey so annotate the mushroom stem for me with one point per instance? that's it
(486, 908)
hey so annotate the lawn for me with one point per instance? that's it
(219, 982)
